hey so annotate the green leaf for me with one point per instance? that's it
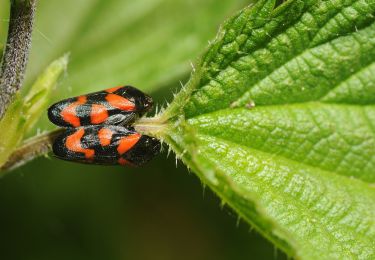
(279, 120)
(4, 10)
(39, 96)
(12, 125)
(4, 19)
(25, 111)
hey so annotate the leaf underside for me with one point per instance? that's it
(279, 120)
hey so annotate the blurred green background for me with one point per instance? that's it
(52, 209)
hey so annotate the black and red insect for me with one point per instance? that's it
(98, 128)
(106, 145)
(114, 106)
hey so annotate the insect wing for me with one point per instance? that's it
(114, 106)
(107, 145)
(143, 151)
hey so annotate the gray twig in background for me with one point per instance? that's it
(16, 50)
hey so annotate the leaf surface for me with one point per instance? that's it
(279, 120)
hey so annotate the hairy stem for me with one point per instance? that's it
(16, 50)
(30, 149)
(153, 126)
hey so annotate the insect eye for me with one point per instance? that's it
(148, 102)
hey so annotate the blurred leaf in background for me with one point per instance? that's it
(147, 43)
(59, 210)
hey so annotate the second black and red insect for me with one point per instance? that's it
(99, 128)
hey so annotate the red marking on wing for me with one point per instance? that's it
(123, 161)
(81, 100)
(69, 115)
(105, 136)
(73, 143)
(111, 90)
(99, 114)
(120, 102)
(127, 142)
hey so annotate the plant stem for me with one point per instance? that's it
(150, 126)
(16, 50)
(30, 149)
(41, 144)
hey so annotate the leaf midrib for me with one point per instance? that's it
(287, 158)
